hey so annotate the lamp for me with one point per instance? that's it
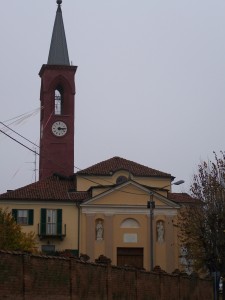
(174, 183)
(151, 206)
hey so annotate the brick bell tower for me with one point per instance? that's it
(57, 106)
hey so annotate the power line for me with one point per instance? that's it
(15, 140)
(99, 184)
(36, 153)
(37, 145)
(29, 113)
(19, 134)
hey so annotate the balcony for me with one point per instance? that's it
(51, 230)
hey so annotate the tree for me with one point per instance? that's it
(202, 224)
(11, 236)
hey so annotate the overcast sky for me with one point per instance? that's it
(150, 82)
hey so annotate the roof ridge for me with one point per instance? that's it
(116, 163)
(48, 188)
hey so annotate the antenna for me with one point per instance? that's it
(35, 165)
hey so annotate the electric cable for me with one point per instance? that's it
(34, 111)
(19, 134)
(15, 140)
(36, 153)
(95, 182)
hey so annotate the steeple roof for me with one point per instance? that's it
(58, 53)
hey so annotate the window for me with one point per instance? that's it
(51, 222)
(121, 179)
(51, 227)
(58, 100)
(23, 216)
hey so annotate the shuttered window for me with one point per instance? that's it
(51, 221)
(23, 216)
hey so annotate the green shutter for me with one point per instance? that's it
(43, 221)
(59, 221)
(30, 217)
(14, 214)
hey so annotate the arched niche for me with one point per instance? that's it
(99, 228)
(130, 223)
(160, 227)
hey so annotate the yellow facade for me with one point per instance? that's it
(69, 237)
(102, 215)
(128, 202)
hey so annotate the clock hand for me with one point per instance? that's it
(61, 128)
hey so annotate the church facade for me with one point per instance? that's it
(104, 210)
(117, 208)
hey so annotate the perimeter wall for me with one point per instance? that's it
(30, 277)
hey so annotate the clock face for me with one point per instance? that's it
(59, 128)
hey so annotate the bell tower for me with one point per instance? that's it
(57, 106)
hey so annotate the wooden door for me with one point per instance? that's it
(132, 257)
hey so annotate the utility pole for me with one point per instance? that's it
(151, 206)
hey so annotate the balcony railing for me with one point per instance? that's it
(51, 230)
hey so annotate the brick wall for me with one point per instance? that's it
(29, 277)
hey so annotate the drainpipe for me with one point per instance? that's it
(78, 203)
(78, 227)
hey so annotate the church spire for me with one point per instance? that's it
(58, 53)
(57, 106)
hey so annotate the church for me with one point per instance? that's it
(117, 208)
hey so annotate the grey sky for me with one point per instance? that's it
(150, 81)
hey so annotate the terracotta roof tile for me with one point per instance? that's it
(110, 166)
(181, 198)
(52, 188)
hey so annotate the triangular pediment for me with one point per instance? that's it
(129, 194)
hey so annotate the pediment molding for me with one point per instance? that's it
(141, 191)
